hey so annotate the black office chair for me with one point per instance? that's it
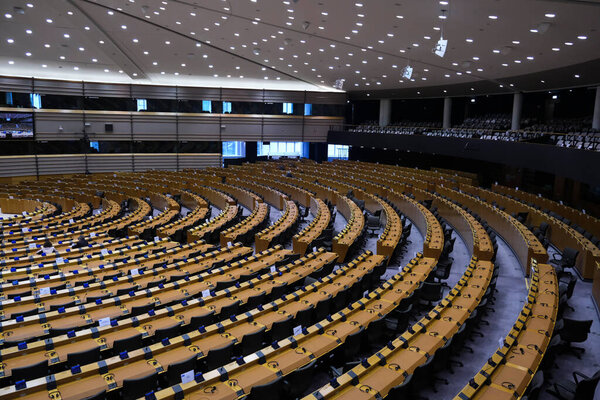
(217, 357)
(124, 291)
(397, 321)
(304, 317)
(323, 308)
(576, 389)
(55, 307)
(254, 301)
(20, 294)
(30, 372)
(282, 329)
(278, 291)
(431, 292)
(345, 354)
(401, 391)
(136, 388)
(200, 320)
(224, 284)
(253, 342)
(174, 370)
(298, 381)
(83, 357)
(567, 259)
(166, 333)
(127, 344)
(27, 313)
(230, 310)
(269, 391)
(535, 386)
(340, 300)
(575, 331)
(376, 332)
(139, 310)
(373, 224)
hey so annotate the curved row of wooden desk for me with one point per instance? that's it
(559, 233)
(376, 376)
(511, 368)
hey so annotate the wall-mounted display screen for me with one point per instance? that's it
(16, 125)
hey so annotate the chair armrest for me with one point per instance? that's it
(576, 374)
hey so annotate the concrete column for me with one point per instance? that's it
(385, 112)
(447, 113)
(596, 119)
(516, 111)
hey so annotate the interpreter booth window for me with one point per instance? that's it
(337, 151)
(234, 149)
(282, 149)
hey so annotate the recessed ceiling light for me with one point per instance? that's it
(62, 57)
(494, 17)
(530, 57)
(28, 31)
(11, 41)
(87, 28)
(76, 68)
(436, 28)
(81, 49)
(468, 40)
(555, 49)
(496, 51)
(476, 58)
(581, 37)
(480, 69)
(29, 5)
(47, 45)
(442, 16)
(135, 41)
(101, 41)
(415, 44)
(110, 13)
(444, 2)
(358, 4)
(549, 15)
(576, 75)
(515, 42)
(400, 16)
(167, 42)
(44, 66)
(8, 16)
(28, 54)
(568, 43)
(49, 20)
(94, 60)
(66, 35)
(505, 65)
(11, 62)
(70, 12)
(518, 61)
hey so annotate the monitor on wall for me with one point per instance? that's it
(16, 125)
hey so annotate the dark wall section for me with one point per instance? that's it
(417, 110)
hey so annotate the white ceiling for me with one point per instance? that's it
(301, 44)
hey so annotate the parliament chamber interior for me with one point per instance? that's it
(266, 199)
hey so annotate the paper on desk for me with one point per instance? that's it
(187, 376)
